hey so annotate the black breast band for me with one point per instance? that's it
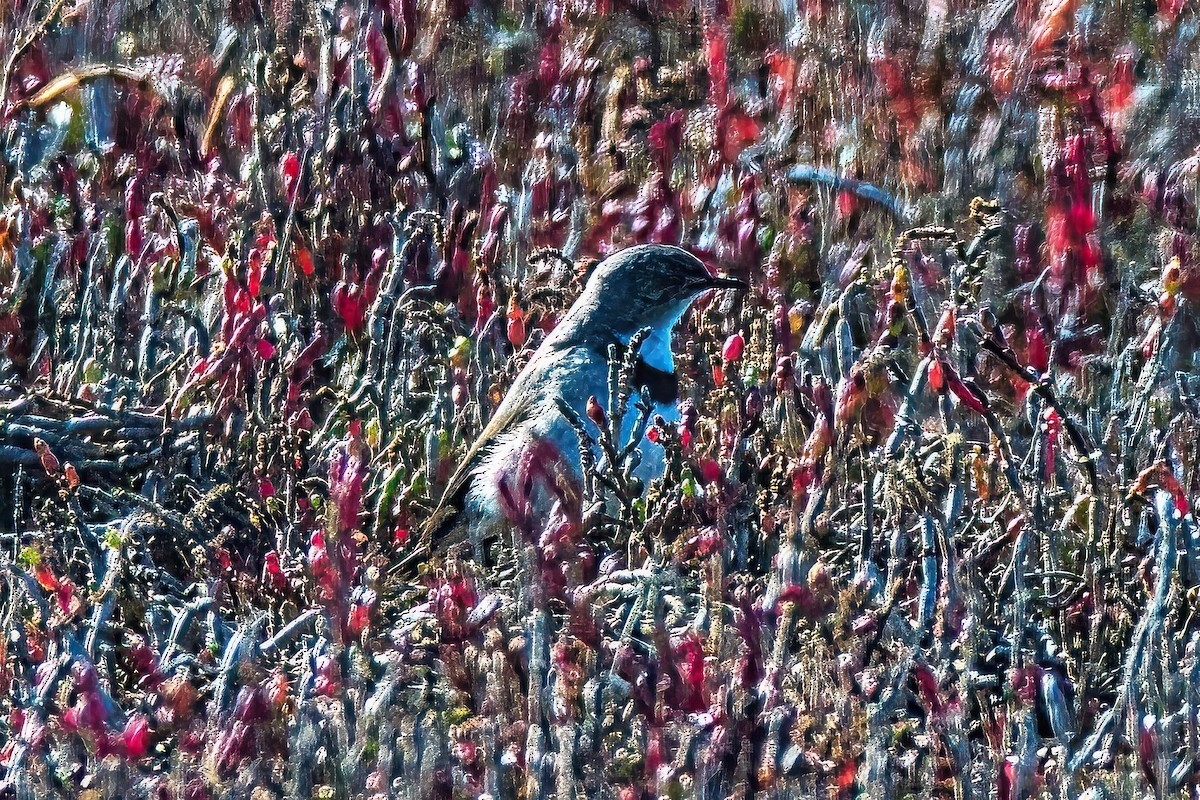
(663, 386)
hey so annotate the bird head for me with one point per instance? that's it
(647, 285)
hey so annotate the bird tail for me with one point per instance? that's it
(444, 528)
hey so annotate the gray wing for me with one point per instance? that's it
(529, 391)
(443, 528)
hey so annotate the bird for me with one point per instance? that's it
(649, 286)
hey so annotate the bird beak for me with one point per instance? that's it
(715, 282)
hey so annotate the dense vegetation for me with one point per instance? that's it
(267, 266)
